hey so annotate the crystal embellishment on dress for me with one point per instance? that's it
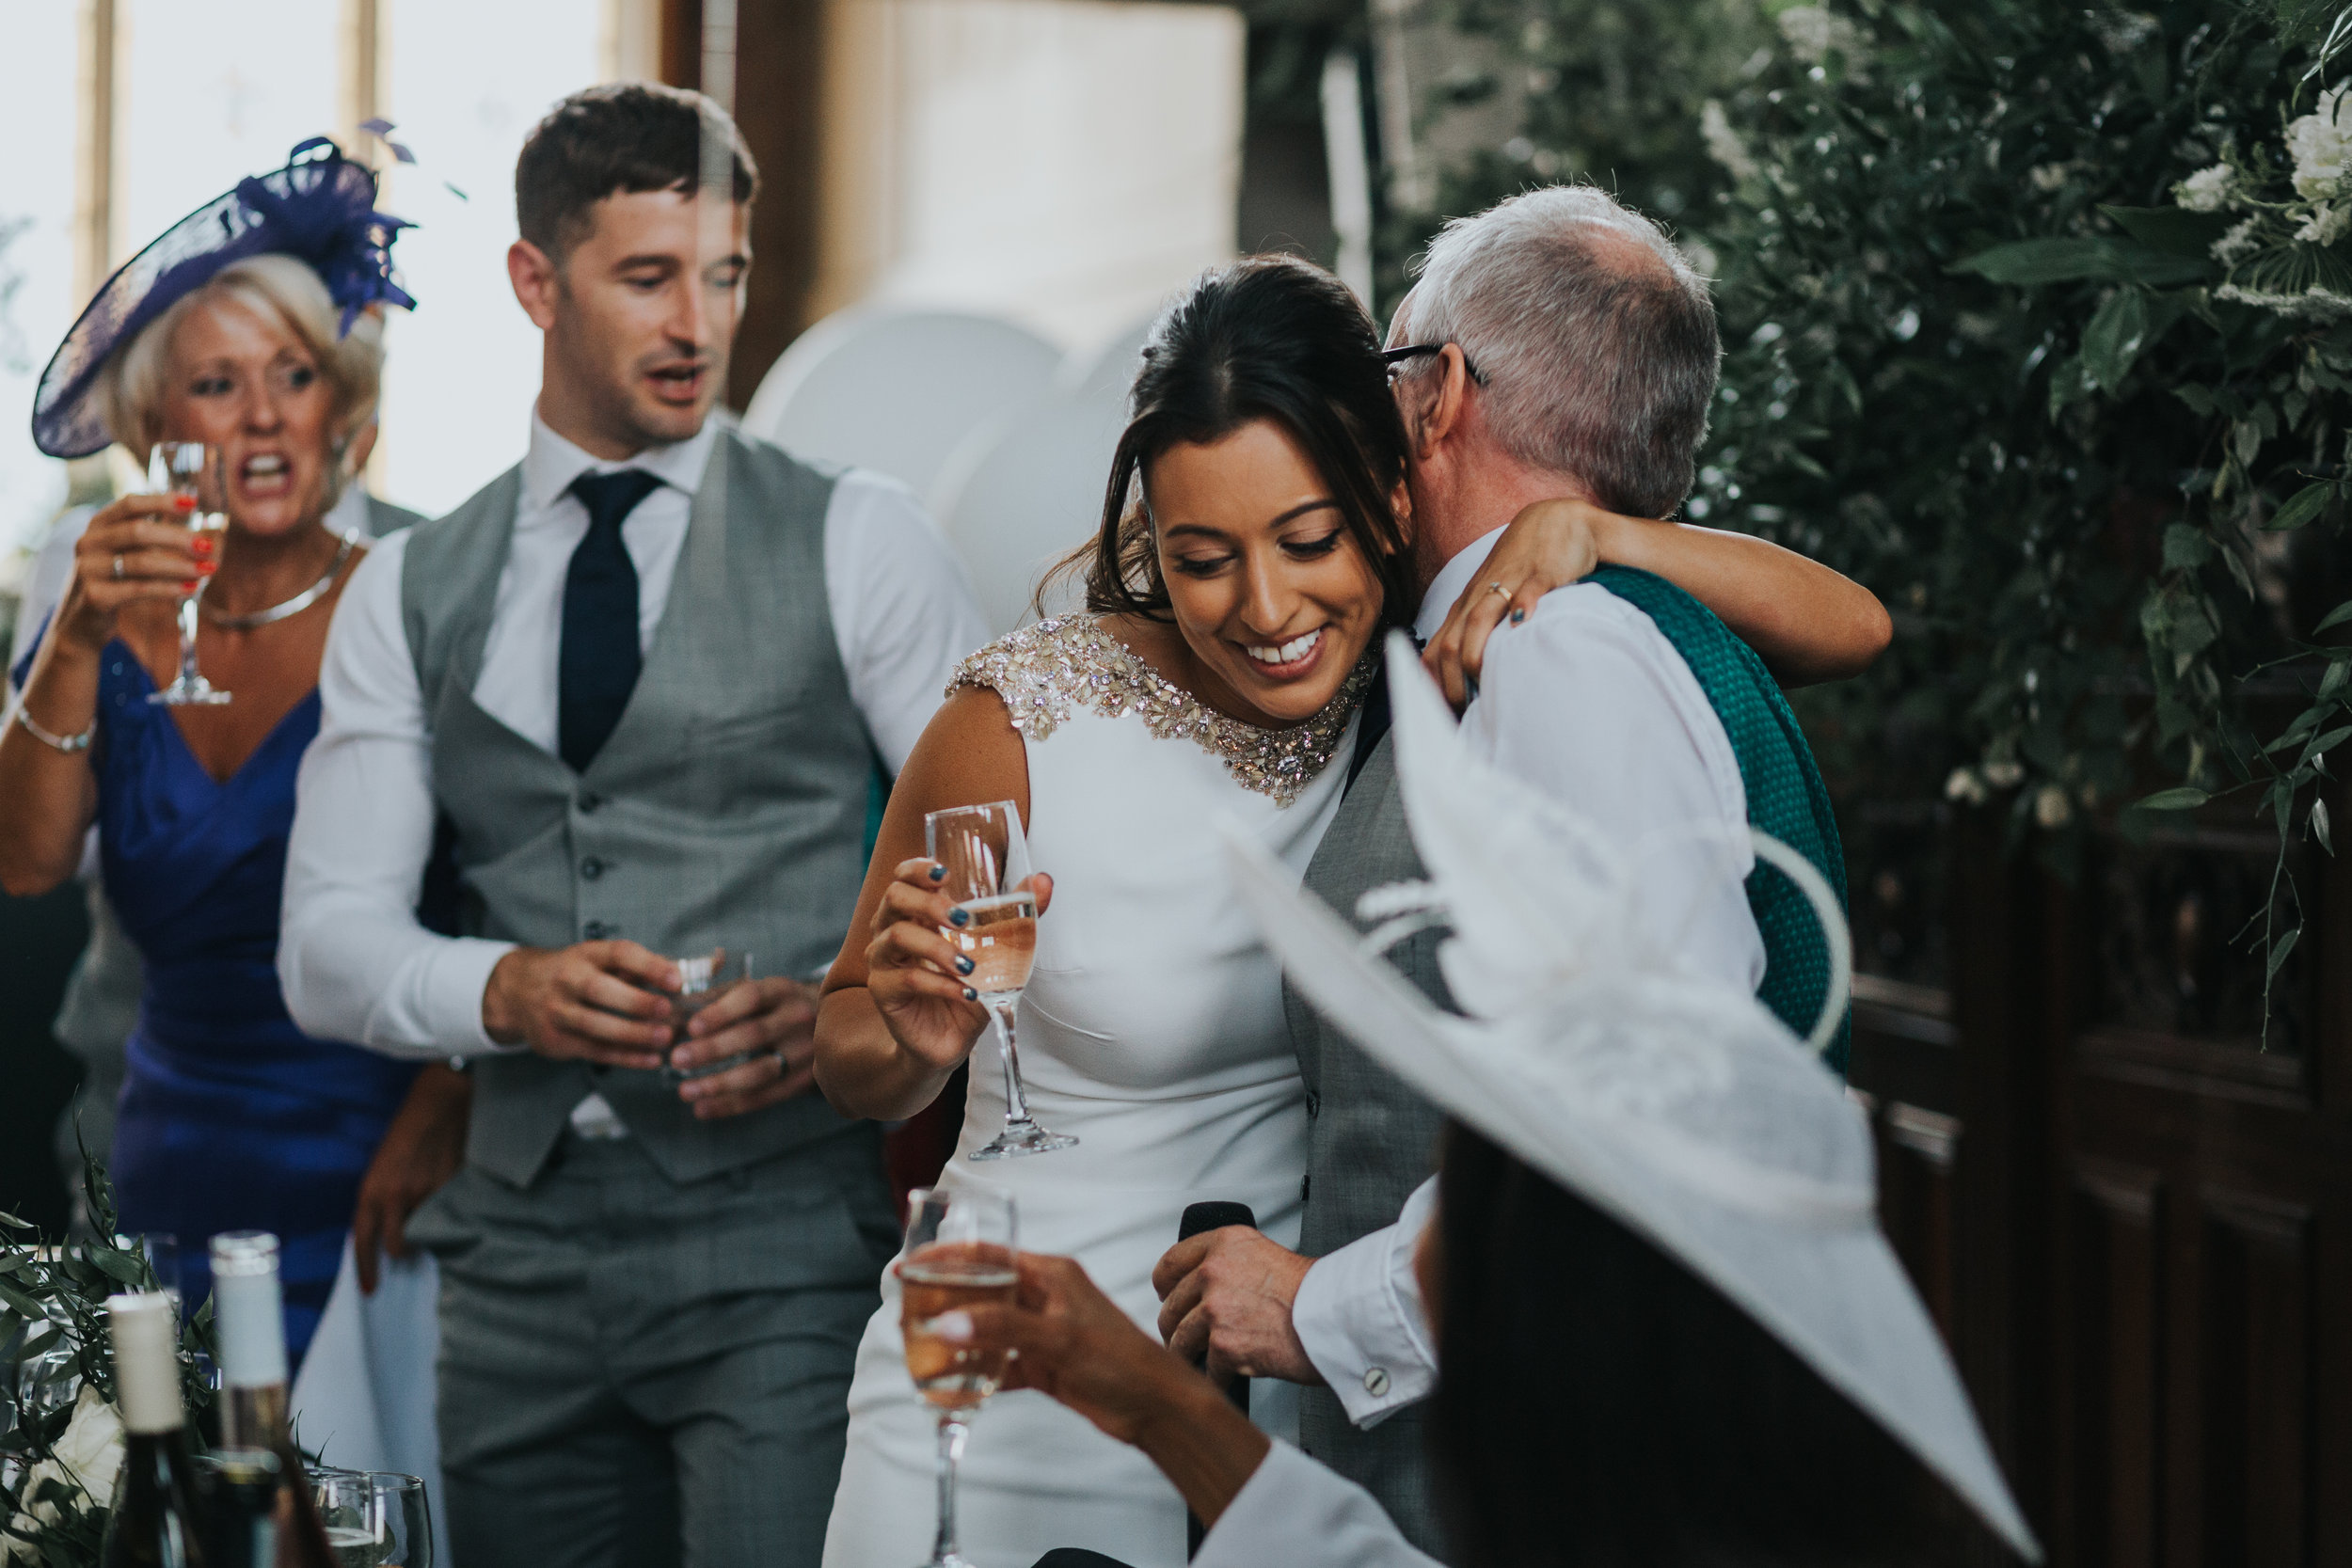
(1046, 671)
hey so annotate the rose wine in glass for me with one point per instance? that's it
(988, 873)
(192, 470)
(958, 1253)
(701, 981)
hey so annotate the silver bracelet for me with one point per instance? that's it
(69, 744)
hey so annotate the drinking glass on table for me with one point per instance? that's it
(375, 1518)
(192, 470)
(701, 982)
(958, 1253)
(987, 861)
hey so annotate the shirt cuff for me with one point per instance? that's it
(450, 1003)
(1359, 1316)
(1293, 1510)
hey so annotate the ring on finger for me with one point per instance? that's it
(117, 568)
(1498, 588)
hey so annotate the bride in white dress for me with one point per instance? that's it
(1217, 675)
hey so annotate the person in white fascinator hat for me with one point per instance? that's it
(1670, 1330)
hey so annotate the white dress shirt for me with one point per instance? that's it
(1587, 701)
(353, 962)
(1295, 1512)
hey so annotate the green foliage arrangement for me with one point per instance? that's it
(60, 1441)
(2039, 323)
(2039, 326)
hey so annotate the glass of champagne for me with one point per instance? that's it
(701, 982)
(988, 872)
(958, 1253)
(191, 469)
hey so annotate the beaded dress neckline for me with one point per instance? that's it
(1046, 671)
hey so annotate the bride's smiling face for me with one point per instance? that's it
(1272, 593)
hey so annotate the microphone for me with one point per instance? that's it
(1201, 1217)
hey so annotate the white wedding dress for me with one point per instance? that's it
(1152, 1029)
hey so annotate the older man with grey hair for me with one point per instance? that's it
(1556, 347)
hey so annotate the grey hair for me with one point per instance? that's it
(1593, 363)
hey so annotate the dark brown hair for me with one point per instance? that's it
(623, 137)
(1598, 1404)
(1267, 338)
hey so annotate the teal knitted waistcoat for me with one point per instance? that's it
(1786, 796)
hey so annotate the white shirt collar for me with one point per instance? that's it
(551, 463)
(1448, 584)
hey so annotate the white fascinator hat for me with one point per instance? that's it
(1676, 1103)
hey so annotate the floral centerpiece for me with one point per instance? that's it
(60, 1434)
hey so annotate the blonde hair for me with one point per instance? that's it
(279, 288)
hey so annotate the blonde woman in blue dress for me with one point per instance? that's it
(1215, 675)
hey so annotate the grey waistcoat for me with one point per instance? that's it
(728, 807)
(1371, 1140)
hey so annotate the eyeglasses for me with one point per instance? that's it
(1396, 356)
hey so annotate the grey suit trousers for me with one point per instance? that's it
(637, 1373)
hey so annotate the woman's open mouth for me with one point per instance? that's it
(1284, 661)
(264, 475)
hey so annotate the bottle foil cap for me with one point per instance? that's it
(248, 1309)
(146, 1329)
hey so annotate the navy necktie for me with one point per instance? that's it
(596, 669)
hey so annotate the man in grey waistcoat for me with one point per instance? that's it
(643, 685)
(1537, 330)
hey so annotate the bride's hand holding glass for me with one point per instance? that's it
(918, 981)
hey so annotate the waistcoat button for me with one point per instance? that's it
(1314, 1104)
(590, 800)
(592, 868)
(596, 930)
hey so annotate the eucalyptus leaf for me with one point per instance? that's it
(2180, 797)
(2300, 508)
(2174, 230)
(2334, 618)
(2114, 338)
(2280, 949)
(2033, 262)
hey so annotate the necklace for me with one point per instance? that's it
(294, 606)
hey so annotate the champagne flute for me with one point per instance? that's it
(988, 870)
(958, 1253)
(191, 469)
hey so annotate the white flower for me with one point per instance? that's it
(2236, 242)
(89, 1455)
(2047, 177)
(2051, 807)
(1965, 786)
(2321, 145)
(2207, 190)
(2003, 775)
(1724, 144)
(2326, 224)
(1813, 31)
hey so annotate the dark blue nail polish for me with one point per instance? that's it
(1518, 615)
(959, 917)
(971, 995)
(939, 873)
(963, 966)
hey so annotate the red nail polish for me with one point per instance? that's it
(185, 503)
(200, 546)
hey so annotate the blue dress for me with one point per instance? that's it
(232, 1119)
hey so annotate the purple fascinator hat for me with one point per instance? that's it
(319, 209)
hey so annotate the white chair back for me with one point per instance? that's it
(897, 390)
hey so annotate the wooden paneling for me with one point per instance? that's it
(2253, 1351)
(2108, 1507)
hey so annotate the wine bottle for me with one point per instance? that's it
(244, 1507)
(156, 1520)
(248, 1316)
